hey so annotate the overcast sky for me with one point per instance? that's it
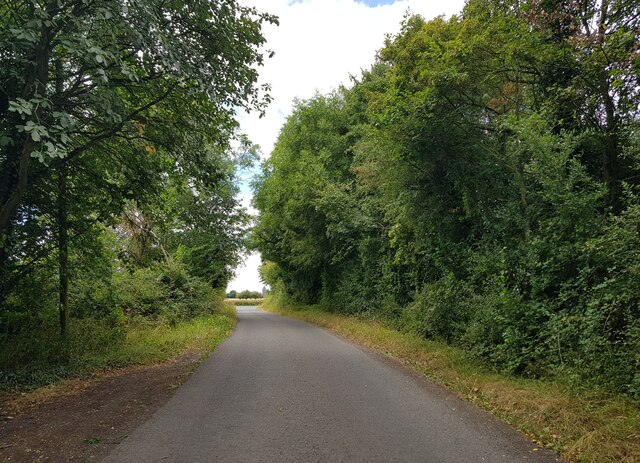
(318, 44)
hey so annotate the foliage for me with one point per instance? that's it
(108, 103)
(308, 156)
(163, 291)
(246, 294)
(45, 358)
(118, 153)
(478, 185)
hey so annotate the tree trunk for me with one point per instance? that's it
(63, 230)
(63, 252)
(611, 151)
(37, 72)
(522, 190)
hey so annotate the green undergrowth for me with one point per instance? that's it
(92, 345)
(583, 425)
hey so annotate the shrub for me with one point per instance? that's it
(165, 291)
(440, 310)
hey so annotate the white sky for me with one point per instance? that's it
(318, 44)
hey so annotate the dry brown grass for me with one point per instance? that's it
(583, 428)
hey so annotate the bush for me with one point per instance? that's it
(42, 356)
(440, 310)
(165, 291)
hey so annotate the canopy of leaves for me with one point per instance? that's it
(476, 186)
(118, 148)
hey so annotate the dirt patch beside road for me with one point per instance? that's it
(82, 420)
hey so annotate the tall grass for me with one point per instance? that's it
(43, 357)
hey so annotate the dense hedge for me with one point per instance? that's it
(479, 185)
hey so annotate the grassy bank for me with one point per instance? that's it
(91, 346)
(248, 302)
(584, 427)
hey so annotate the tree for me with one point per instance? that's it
(117, 62)
(247, 294)
(478, 185)
(309, 163)
(103, 103)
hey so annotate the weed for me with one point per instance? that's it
(92, 346)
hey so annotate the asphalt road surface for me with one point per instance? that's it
(281, 390)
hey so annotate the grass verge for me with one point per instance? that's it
(583, 427)
(92, 347)
(243, 302)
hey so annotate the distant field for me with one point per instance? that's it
(244, 301)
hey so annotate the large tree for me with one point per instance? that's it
(86, 78)
(105, 104)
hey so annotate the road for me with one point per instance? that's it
(281, 390)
